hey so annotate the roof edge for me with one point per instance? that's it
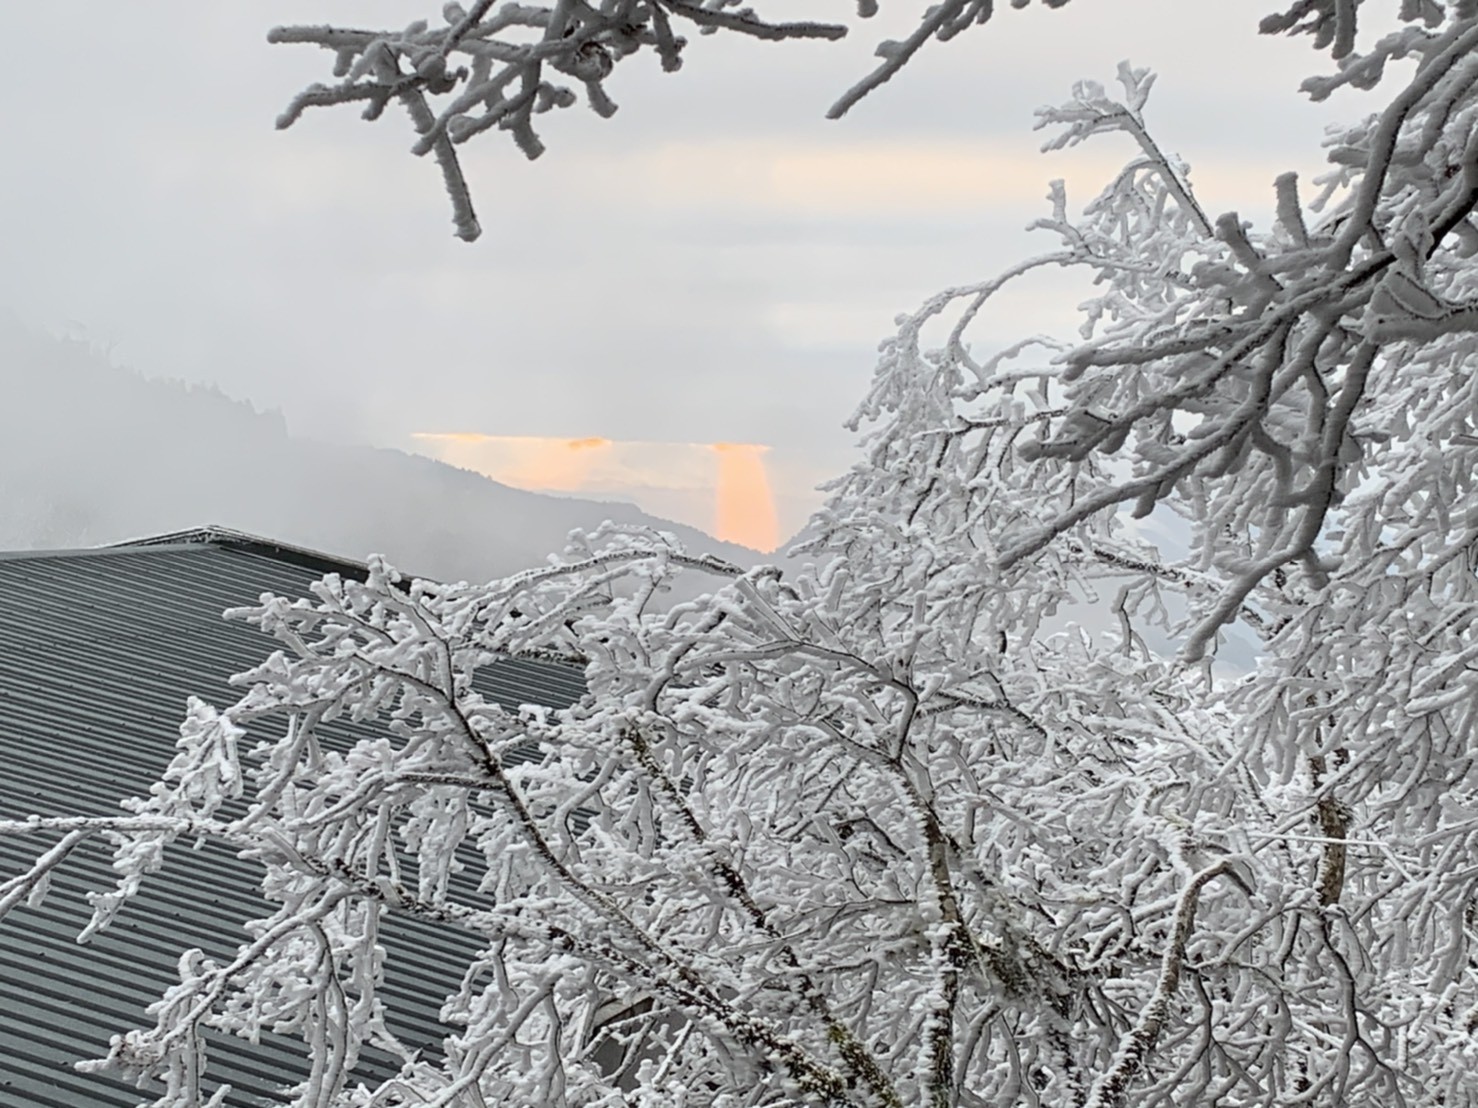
(210, 535)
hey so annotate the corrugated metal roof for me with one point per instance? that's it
(98, 652)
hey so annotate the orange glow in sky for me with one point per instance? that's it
(744, 508)
(729, 479)
(562, 465)
(525, 462)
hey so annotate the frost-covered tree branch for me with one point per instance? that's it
(499, 63)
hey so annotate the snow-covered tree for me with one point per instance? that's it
(895, 829)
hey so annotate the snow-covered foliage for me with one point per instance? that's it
(498, 63)
(881, 832)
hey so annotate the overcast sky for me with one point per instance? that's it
(715, 264)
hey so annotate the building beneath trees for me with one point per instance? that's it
(99, 650)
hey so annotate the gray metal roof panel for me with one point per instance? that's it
(98, 654)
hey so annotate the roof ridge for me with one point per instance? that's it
(213, 534)
(208, 535)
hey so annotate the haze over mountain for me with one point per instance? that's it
(92, 454)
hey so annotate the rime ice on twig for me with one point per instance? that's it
(498, 65)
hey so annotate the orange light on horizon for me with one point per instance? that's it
(524, 461)
(743, 504)
(744, 508)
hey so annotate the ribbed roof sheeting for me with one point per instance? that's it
(98, 652)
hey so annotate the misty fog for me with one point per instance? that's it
(93, 454)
